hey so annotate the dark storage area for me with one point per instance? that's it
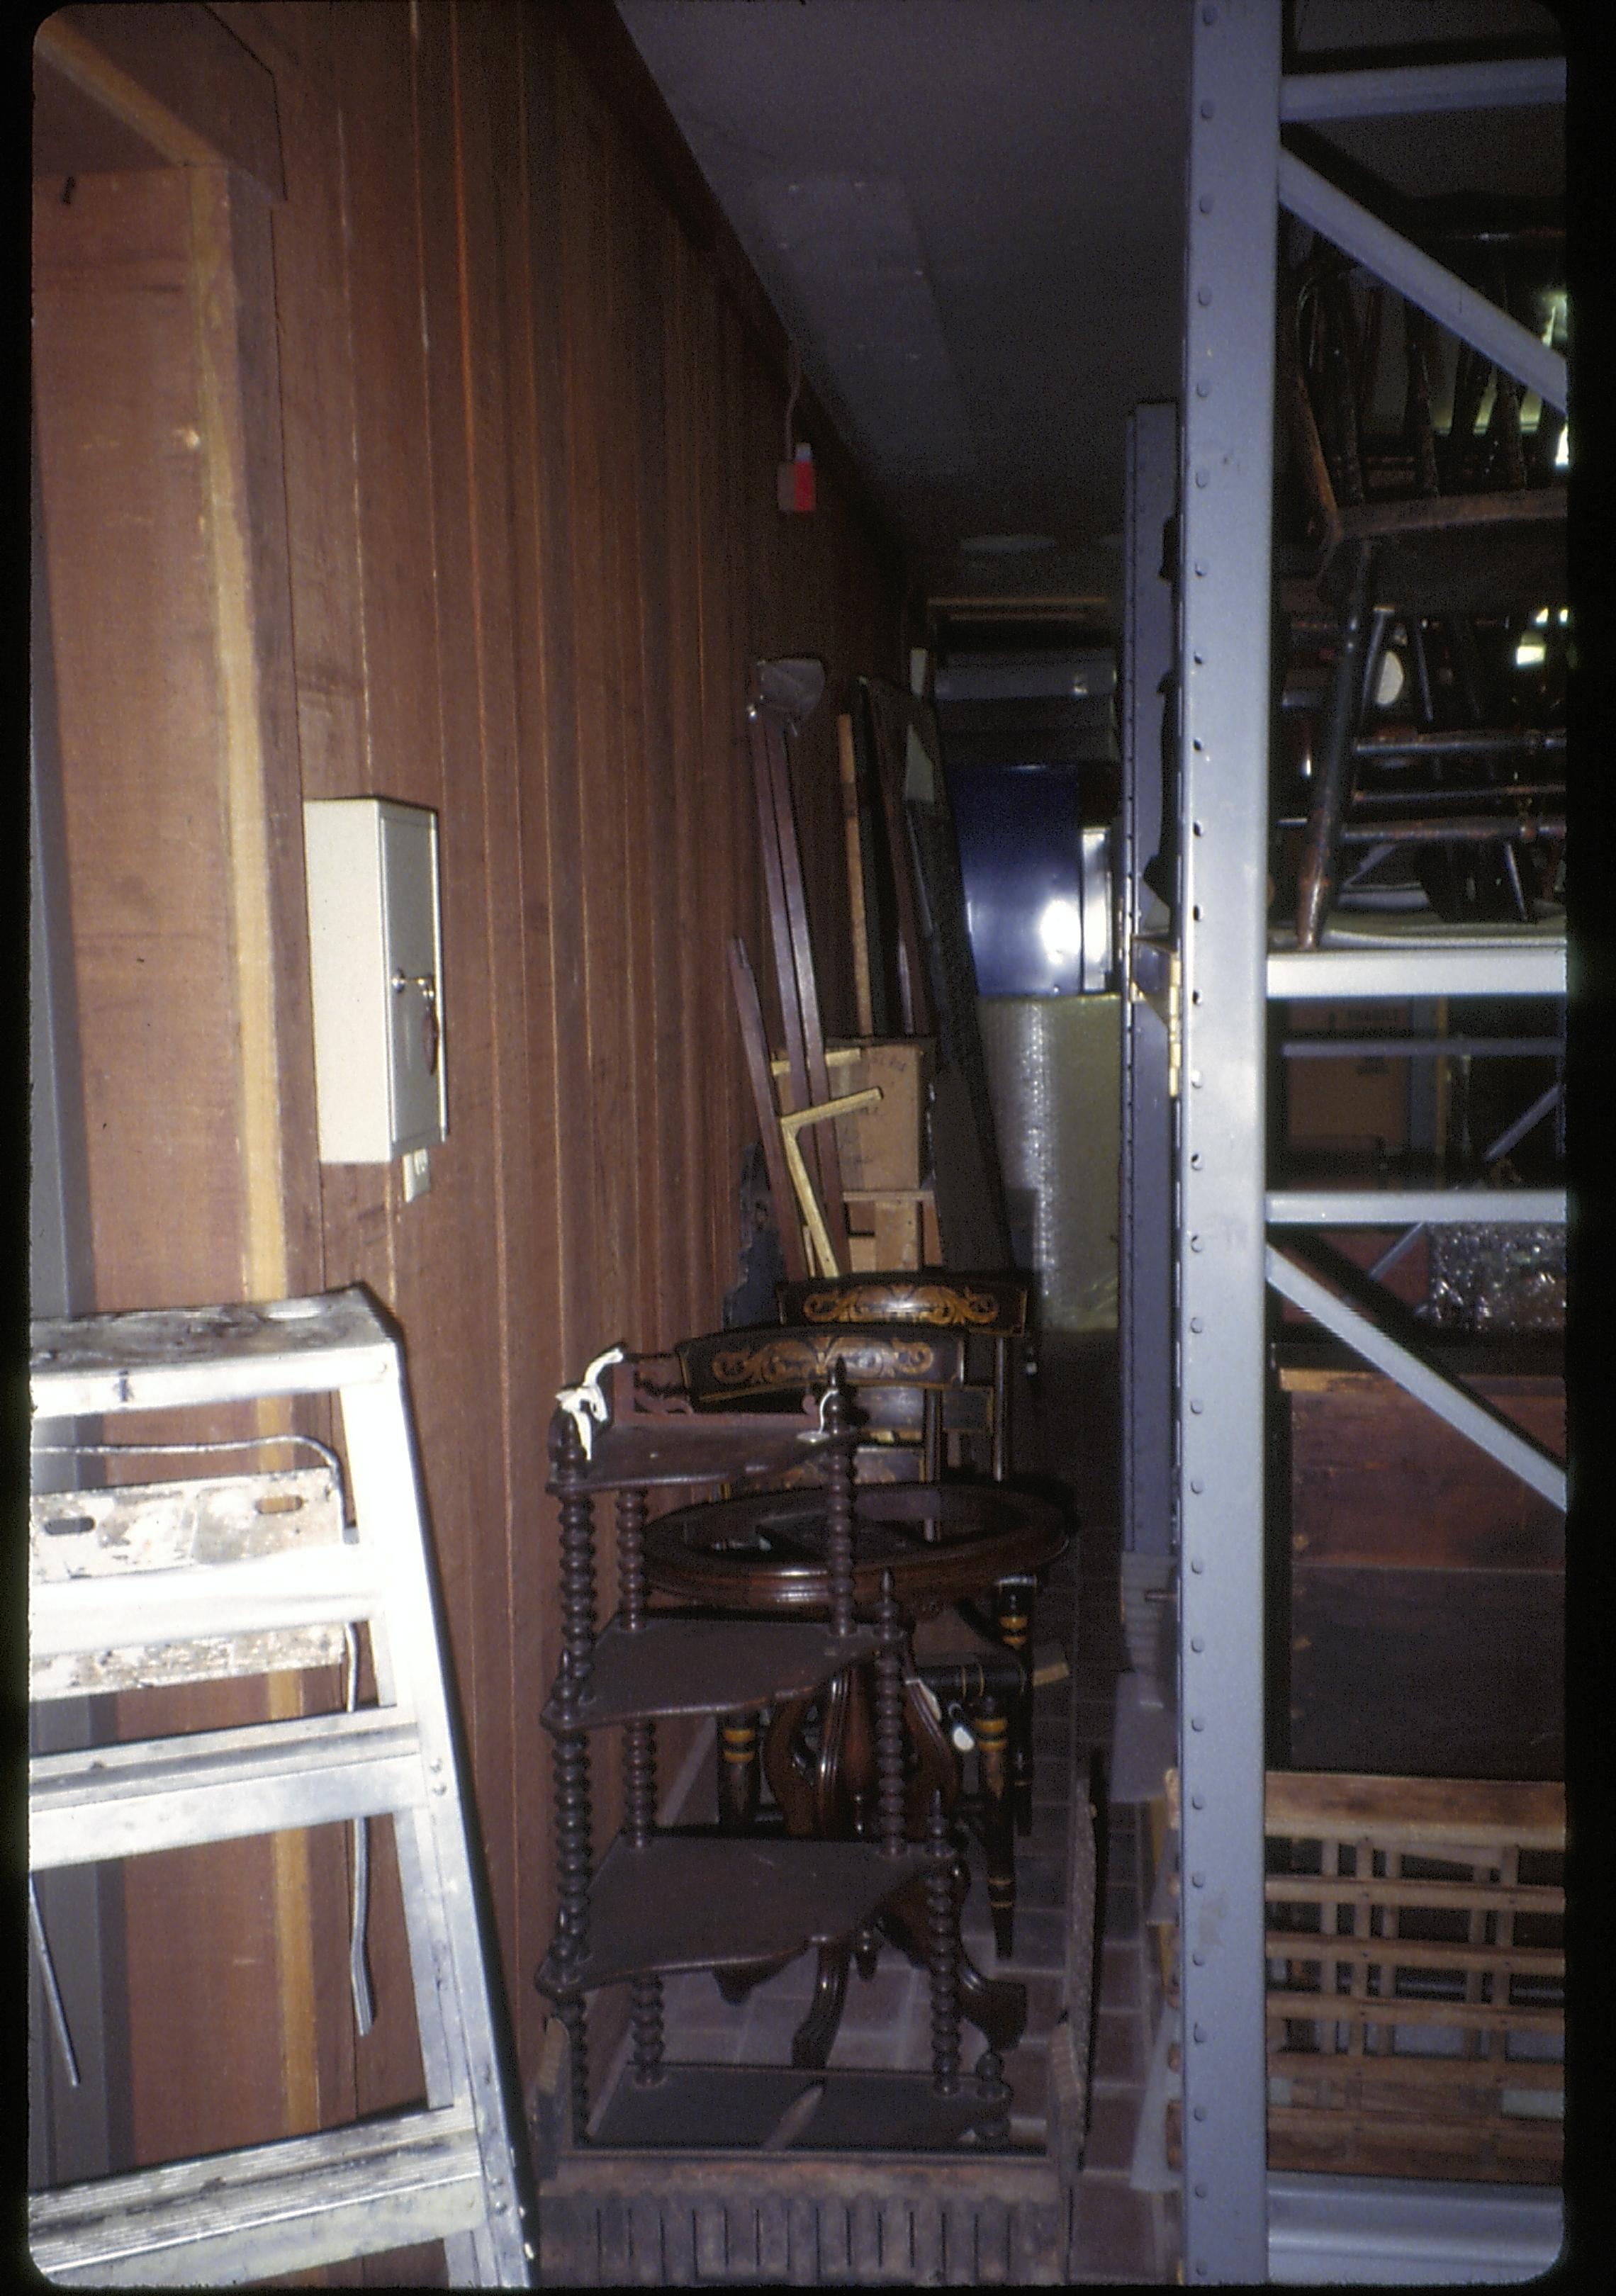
(801, 1485)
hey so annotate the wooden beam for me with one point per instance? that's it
(174, 75)
(1436, 1811)
(862, 995)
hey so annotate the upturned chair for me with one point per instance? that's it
(1442, 549)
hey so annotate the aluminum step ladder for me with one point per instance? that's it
(235, 1576)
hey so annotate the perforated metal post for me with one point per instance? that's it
(1145, 1263)
(1226, 496)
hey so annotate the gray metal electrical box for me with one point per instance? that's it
(377, 967)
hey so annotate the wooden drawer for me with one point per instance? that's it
(1376, 1478)
(1426, 1627)
(1429, 1673)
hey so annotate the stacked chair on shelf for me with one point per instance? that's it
(1438, 764)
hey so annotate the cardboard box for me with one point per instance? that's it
(883, 1146)
(886, 1233)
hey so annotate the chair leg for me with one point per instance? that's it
(932, 1445)
(1014, 1613)
(943, 1952)
(990, 1727)
(737, 1984)
(812, 2041)
(1334, 781)
(996, 2006)
(738, 1773)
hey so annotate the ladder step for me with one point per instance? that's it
(216, 1785)
(163, 1358)
(274, 2209)
(324, 1586)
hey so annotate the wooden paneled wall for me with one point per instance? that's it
(527, 411)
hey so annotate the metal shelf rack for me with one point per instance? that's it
(1194, 1280)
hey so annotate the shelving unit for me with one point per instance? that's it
(663, 1902)
(1196, 1045)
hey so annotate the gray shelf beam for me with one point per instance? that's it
(1427, 1207)
(1414, 276)
(1226, 490)
(1425, 968)
(1401, 89)
(1420, 1048)
(1446, 1397)
(1144, 1293)
(1395, 2232)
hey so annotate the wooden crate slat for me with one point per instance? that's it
(1472, 2016)
(1328, 1889)
(1348, 2080)
(1414, 1953)
(1356, 2105)
(1417, 1813)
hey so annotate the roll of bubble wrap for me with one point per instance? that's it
(1055, 1077)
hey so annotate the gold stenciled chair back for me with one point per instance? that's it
(911, 1385)
(988, 1308)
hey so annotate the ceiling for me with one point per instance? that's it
(969, 216)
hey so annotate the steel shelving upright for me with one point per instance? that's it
(1144, 1270)
(1213, 984)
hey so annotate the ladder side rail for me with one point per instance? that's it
(388, 1515)
(451, 1957)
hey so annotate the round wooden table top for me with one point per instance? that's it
(764, 1551)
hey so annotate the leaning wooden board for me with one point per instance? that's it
(900, 733)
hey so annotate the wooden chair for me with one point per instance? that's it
(988, 1313)
(912, 1385)
(911, 1390)
(764, 1554)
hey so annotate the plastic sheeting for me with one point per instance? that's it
(1055, 1078)
(1496, 1279)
